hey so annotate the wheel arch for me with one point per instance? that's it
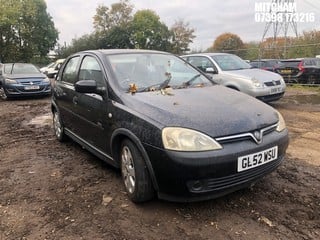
(117, 137)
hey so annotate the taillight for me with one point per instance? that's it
(301, 67)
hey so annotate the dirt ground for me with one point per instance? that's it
(50, 190)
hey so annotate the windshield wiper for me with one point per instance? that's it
(158, 86)
(189, 82)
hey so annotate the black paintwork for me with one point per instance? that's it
(99, 121)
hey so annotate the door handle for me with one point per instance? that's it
(75, 100)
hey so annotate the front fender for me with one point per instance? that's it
(117, 137)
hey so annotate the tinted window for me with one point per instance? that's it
(91, 70)
(70, 71)
(290, 63)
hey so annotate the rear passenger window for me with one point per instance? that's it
(70, 71)
(90, 70)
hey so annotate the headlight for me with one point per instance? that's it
(281, 124)
(46, 80)
(10, 81)
(182, 139)
(256, 83)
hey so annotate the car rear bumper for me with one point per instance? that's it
(194, 176)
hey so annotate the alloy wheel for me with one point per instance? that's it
(128, 170)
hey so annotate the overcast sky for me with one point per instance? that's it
(209, 18)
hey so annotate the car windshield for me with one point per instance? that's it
(20, 68)
(154, 71)
(230, 62)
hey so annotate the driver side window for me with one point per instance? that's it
(201, 63)
(91, 70)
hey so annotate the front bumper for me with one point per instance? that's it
(16, 90)
(268, 94)
(194, 176)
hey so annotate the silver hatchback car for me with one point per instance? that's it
(233, 72)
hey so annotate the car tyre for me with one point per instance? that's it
(3, 94)
(58, 126)
(135, 173)
(311, 79)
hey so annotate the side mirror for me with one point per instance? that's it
(88, 86)
(57, 67)
(211, 70)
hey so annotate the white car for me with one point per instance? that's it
(52, 69)
(233, 72)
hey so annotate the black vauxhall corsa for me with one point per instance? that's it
(171, 130)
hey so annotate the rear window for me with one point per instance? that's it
(290, 63)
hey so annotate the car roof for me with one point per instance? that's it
(17, 63)
(121, 51)
(264, 60)
(206, 54)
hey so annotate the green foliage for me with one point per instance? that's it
(27, 31)
(119, 15)
(149, 33)
(117, 27)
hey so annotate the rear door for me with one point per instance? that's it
(65, 94)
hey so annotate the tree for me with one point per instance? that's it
(228, 42)
(118, 37)
(113, 25)
(26, 30)
(119, 15)
(307, 45)
(149, 32)
(182, 37)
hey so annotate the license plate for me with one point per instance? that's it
(32, 87)
(286, 71)
(275, 90)
(257, 159)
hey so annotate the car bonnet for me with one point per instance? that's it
(216, 111)
(258, 74)
(25, 76)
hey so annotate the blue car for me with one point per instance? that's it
(22, 79)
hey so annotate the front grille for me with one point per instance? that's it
(219, 184)
(255, 136)
(273, 83)
(31, 83)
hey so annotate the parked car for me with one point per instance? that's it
(170, 129)
(233, 72)
(305, 70)
(52, 69)
(22, 79)
(265, 64)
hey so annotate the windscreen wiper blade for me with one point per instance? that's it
(157, 86)
(190, 81)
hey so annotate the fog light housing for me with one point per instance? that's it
(196, 186)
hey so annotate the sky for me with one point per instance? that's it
(209, 18)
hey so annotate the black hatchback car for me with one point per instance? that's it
(170, 129)
(304, 71)
(265, 64)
